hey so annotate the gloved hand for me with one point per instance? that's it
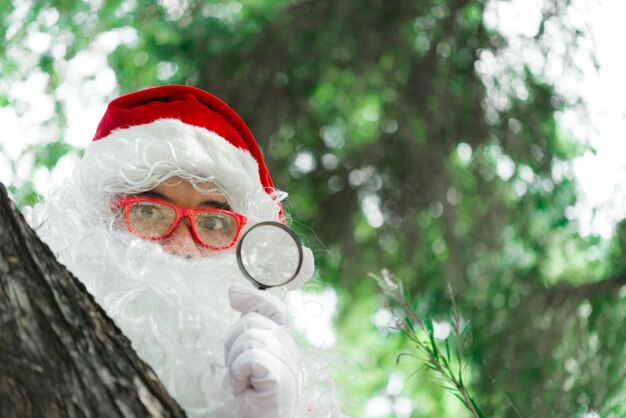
(261, 355)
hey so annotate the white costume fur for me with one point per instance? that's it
(174, 310)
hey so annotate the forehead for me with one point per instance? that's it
(183, 191)
(177, 182)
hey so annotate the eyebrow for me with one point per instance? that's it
(209, 203)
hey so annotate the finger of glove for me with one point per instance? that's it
(279, 345)
(257, 321)
(262, 371)
(271, 394)
(246, 299)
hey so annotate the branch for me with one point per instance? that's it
(562, 292)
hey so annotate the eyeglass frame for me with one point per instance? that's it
(125, 202)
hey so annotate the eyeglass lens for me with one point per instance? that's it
(216, 228)
(150, 219)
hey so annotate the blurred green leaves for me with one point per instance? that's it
(398, 153)
(49, 154)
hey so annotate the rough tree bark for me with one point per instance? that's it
(60, 354)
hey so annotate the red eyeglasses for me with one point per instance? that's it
(155, 219)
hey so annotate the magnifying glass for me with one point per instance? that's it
(269, 254)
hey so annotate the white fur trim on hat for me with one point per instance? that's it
(140, 157)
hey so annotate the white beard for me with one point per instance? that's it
(175, 311)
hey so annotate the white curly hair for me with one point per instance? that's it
(174, 310)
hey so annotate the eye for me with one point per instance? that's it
(148, 211)
(213, 223)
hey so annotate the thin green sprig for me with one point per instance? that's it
(437, 355)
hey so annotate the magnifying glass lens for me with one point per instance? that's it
(270, 254)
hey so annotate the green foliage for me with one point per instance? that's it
(49, 154)
(415, 169)
(26, 194)
(419, 329)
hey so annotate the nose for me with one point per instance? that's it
(181, 242)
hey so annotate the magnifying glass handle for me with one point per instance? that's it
(258, 285)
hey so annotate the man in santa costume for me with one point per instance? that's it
(149, 222)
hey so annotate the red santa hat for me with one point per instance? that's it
(175, 111)
(191, 106)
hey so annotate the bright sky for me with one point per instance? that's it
(600, 175)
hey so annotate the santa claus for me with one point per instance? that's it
(149, 222)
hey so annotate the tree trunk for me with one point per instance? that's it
(60, 354)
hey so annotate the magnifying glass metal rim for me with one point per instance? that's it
(295, 238)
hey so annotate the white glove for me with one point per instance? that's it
(261, 355)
